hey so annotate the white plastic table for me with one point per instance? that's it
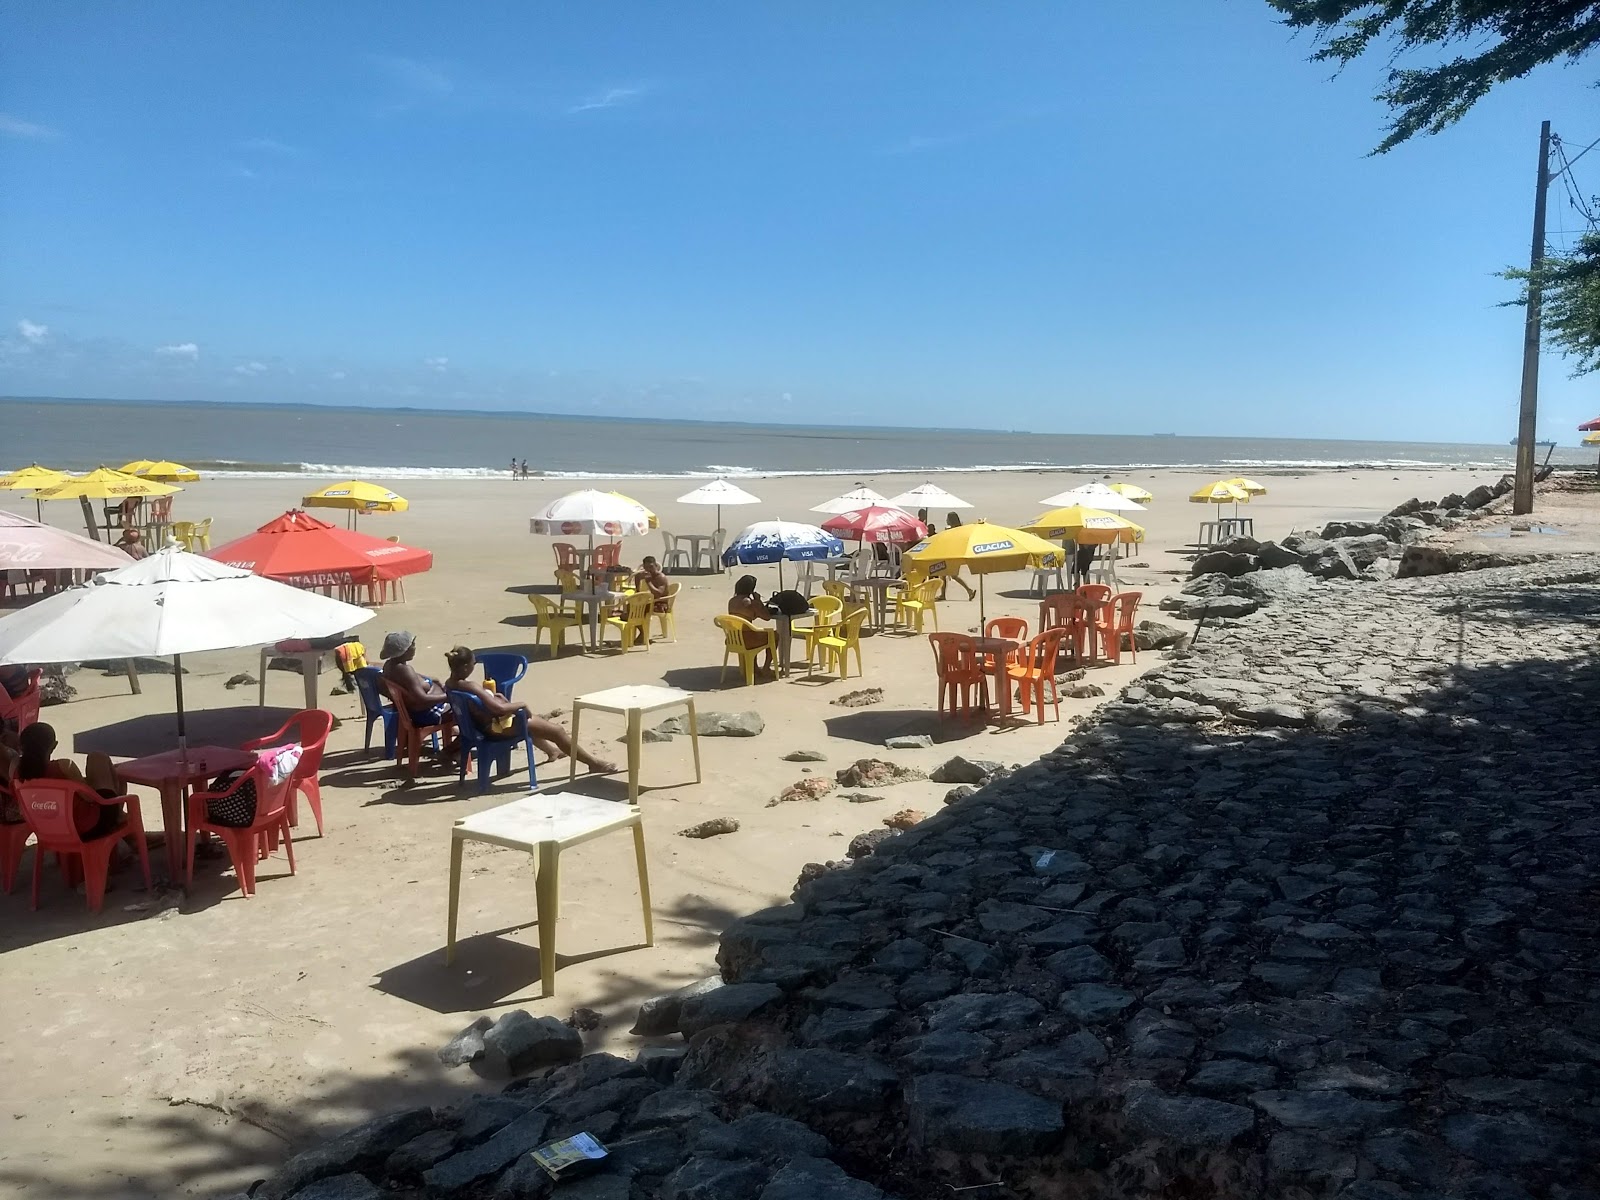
(879, 586)
(808, 572)
(595, 601)
(310, 668)
(696, 540)
(633, 701)
(544, 826)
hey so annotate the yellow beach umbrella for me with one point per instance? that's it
(1132, 491)
(1086, 526)
(979, 548)
(163, 470)
(31, 478)
(102, 483)
(356, 497)
(1247, 485)
(1220, 492)
(1589, 439)
(655, 522)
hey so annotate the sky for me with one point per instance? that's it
(1102, 217)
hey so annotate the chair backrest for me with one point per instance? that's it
(47, 807)
(161, 508)
(203, 528)
(22, 710)
(669, 542)
(850, 625)
(182, 529)
(608, 555)
(566, 556)
(836, 589)
(545, 608)
(402, 714)
(568, 581)
(503, 667)
(271, 798)
(1057, 610)
(636, 608)
(671, 598)
(828, 609)
(1127, 607)
(733, 629)
(467, 728)
(315, 725)
(1040, 653)
(1095, 593)
(1015, 628)
(370, 683)
(956, 655)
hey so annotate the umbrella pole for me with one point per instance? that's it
(183, 727)
(780, 574)
(982, 618)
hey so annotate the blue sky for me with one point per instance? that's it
(1102, 216)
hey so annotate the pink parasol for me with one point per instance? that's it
(877, 524)
(28, 545)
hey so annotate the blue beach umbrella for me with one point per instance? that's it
(775, 541)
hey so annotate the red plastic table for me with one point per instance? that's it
(171, 777)
(997, 648)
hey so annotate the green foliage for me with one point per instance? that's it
(1570, 302)
(1506, 40)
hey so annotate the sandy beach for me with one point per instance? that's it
(183, 1045)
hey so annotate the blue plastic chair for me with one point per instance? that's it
(491, 751)
(504, 669)
(376, 709)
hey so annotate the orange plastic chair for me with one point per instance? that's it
(1014, 628)
(608, 556)
(252, 842)
(733, 630)
(23, 709)
(961, 671)
(1116, 622)
(633, 625)
(311, 728)
(408, 736)
(1032, 668)
(834, 648)
(47, 806)
(567, 558)
(14, 835)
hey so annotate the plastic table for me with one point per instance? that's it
(595, 601)
(633, 701)
(310, 667)
(170, 773)
(695, 541)
(879, 586)
(997, 648)
(544, 826)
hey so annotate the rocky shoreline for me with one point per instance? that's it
(1310, 910)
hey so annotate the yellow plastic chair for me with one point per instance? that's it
(827, 612)
(666, 618)
(734, 630)
(182, 532)
(836, 646)
(633, 625)
(200, 539)
(568, 581)
(917, 601)
(549, 617)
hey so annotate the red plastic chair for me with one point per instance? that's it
(1015, 628)
(567, 558)
(14, 835)
(960, 668)
(1116, 622)
(249, 843)
(408, 736)
(23, 709)
(1032, 667)
(47, 806)
(311, 728)
(608, 555)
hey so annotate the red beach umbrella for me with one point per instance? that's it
(877, 524)
(299, 549)
(1589, 426)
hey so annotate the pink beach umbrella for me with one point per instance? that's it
(877, 524)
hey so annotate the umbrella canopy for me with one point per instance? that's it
(1591, 439)
(1086, 526)
(1247, 485)
(719, 492)
(1221, 492)
(980, 548)
(775, 541)
(1093, 495)
(861, 497)
(930, 496)
(654, 521)
(33, 546)
(877, 524)
(590, 512)
(1586, 427)
(1132, 491)
(164, 470)
(171, 603)
(103, 483)
(300, 549)
(31, 477)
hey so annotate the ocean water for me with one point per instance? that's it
(269, 440)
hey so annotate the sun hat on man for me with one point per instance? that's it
(397, 643)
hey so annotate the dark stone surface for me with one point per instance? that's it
(518, 1043)
(829, 1080)
(719, 1006)
(516, 1139)
(367, 1145)
(659, 1015)
(816, 1179)
(952, 1112)
(1188, 1120)
(341, 1187)
(715, 1179)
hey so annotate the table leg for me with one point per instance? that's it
(644, 882)
(694, 739)
(310, 668)
(594, 625)
(784, 624)
(172, 826)
(572, 759)
(1002, 685)
(261, 680)
(635, 750)
(456, 845)
(546, 890)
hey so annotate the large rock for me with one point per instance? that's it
(964, 770)
(714, 1179)
(511, 1143)
(365, 1146)
(1187, 1120)
(807, 1178)
(519, 1043)
(1477, 497)
(1336, 530)
(1223, 562)
(1366, 550)
(1154, 635)
(977, 1116)
(827, 1081)
(716, 724)
(724, 1005)
(466, 1046)
(659, 1015)
(877, 772)
(1272, 555)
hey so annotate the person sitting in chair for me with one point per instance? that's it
(131, 543)
(650, 577)
(423, 697)
(37, 743)
(747, 603)
(496, 715)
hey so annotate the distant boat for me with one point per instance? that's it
(1514, 441)
(1163, 435)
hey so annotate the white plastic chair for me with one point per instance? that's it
(674, 555)
(1041, 580)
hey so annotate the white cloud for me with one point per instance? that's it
(610, 98)
(250, 368)
(32, 332)
(17, 127)
(185, 350)
(424, 79)
(436, 364)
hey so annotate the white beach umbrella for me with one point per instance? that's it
(34, 546)
(588, 512)
(1093, 495)
(719, 492)
(169, 604)
(861, 497)
(929, 496)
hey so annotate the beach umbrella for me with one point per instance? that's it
(1086, 526)
(34, 546)
(29, 479)
(102, 483)
(1587, 426)
(356, 497)
(877, 524)
(861, 497)
(719, 492)
(1132, 491)
(780, 541)
(588, 512)
(929, 496)
(302, 550)
(163, 470)
(653, 520)
(1093, 495)
(167, 605)
(1221, 492)
(981, 548)
(1592, 439)
(1247, 485)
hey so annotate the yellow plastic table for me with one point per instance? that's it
(544, 826)
(634, 701)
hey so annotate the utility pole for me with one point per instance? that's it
(1528, 422)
